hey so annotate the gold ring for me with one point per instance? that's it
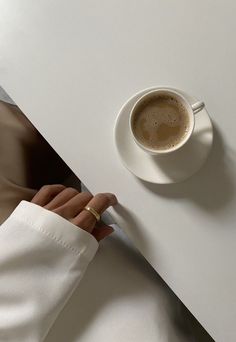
(93, 212)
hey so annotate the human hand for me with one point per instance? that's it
(70, 203)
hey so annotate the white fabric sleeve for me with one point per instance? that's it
(42, 259)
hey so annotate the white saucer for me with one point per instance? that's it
(171, 168)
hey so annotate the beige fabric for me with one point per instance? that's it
(26, 160)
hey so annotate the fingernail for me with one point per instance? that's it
(113, 199)
(111, 230)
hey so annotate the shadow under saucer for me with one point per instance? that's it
(212, 188)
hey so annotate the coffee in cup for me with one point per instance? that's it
(161, 121)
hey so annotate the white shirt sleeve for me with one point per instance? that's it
(42, 259)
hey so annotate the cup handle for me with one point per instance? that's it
(197, 107)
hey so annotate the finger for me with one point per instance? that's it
(102, 231)
(62, 198)
(74, 206)
(46, 193)
(100, 203)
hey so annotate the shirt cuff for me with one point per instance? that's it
(57, 228)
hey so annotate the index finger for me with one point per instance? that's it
(46, 193)
(100, 202)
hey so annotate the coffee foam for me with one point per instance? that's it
(161, 122)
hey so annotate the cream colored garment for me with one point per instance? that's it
(43, 257)
(15, 135)
(26, 160)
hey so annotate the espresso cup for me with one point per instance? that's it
(158, 114)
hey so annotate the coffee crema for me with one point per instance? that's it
(161, 122)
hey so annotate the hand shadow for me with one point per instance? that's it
(211, 188)
(129, 221)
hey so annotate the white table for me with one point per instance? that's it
(71, 65)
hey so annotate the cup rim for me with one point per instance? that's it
(190, 112)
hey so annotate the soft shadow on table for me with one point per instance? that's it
(133, 228)
(113, 278)
(211, 188)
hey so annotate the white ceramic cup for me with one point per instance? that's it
(191, 109)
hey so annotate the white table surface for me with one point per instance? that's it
(71, 65)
